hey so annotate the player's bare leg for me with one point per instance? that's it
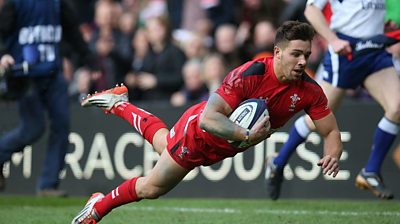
(384, 87)
(396, 156)
(163, 177)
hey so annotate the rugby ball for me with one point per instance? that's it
(246, 115)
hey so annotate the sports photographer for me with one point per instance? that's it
(31, 32)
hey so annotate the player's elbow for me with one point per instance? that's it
(203, 122)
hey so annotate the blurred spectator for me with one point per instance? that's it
(110, 46)
(133, 6)
(262, 44)
(127, 23)
(151, 8)
(252, 11)
(219, 12)
(274, 9)
(294, 10)
(184, 14)
(194, 89)
(85, 10)
(80, 85)
(161, 74)
(227, 46)
(214, 71)
(140, 47)
(195, 47)
(87, 31)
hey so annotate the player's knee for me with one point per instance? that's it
(393, 112)
(160, 140)
(153, 193)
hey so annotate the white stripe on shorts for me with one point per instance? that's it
(335, 66)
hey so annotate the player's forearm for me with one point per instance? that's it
(333, 144)
(318, 21)
(219, 125)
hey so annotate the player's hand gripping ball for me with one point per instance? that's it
(246, 115)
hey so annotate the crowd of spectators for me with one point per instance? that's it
(176, 50)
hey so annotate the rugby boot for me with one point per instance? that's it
(107, 99)
(374, 183)
(2, 179)
(274, 177)
(88, 214)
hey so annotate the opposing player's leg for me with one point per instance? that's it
(384, 87)
(163, 177)
(396, 157)
(115, 101)
(297, 135)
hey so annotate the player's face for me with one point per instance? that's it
(292, 60)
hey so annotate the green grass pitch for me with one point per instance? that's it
(21, 209)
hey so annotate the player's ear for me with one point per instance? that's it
(277, 52)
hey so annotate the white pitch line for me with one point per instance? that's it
(325, 212)
(181, 209)
(265, 211)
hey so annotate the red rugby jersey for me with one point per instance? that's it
(256, 79)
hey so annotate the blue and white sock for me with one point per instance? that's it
(384, 137)
(297, 135)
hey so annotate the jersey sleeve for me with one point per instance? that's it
(319, 108)
(238, 84)
(231, 89)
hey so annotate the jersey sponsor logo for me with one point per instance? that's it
(373, 4)
(368, 45)
(295, 98)
(183, 152)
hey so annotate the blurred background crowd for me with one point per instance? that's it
(174, 51)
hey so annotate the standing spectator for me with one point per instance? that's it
(351, 21)
(160, 76)
(32, 32)
(199, 138)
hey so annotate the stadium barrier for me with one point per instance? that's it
(105, 150)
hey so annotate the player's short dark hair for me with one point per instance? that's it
(294, 30)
